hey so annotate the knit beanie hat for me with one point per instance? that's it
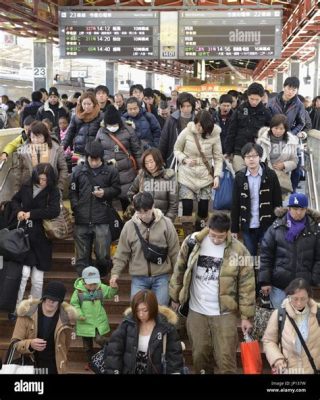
(54, 291)
(53, 92)
(112, 116)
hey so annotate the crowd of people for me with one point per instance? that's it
(152, 153)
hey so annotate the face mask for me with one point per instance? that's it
(4, 107)
(185, 115)
(112, 128)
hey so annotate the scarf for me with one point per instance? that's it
(87, 116)
(294, 228)
(40, 153)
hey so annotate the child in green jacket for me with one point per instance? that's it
(88, 299)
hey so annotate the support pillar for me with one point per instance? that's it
(316, 87)
(295, 68)
(279, 81)
(42, 64)
(150, 80)
(112, 76)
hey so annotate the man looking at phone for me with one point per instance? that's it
(43, 329)
(92, 185)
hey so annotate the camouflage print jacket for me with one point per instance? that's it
(236, 280)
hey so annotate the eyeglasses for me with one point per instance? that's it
(251, 156)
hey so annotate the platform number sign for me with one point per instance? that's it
(39, 72)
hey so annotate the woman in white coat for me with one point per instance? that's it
(196, 176)
(279, 150)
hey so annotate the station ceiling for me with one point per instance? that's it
(301, 25)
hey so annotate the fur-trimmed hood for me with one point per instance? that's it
(27, 308)
(164, 311)
(313, 214)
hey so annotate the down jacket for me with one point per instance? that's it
(53, 113)
(147, 128)
(114, 154)
(236, 279)
(298, 363)
(123, 345)
(198, 177)
(80, 133)
(163, 187)
(162, 233)
(281, 261)
(91, 310)
(86, 207)
(26, 329)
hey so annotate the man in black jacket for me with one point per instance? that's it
(223, 118)
(249, 117)
(256, 193)
(290, 249)
(52, 109)
(175, 124)
(93, 184)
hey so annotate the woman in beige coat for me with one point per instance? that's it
(279, 150)
(196, 176)
(41, 148)
(291, 357)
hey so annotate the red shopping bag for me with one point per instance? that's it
(251, 357)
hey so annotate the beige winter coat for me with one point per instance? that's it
(289, 152)
(198, 177)
(297, 363)
(26, 329)
(129, 251)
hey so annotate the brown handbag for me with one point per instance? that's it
(123, 148)
(205, 161)
(60, 227)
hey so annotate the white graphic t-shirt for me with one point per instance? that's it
(204, 291)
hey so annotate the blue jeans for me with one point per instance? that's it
(158, 284)
(252, 238)
(296, 174)
(277, 296)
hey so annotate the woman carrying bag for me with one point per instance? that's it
(291, 340)
(37, 200)
(122, 149)
(196, 147)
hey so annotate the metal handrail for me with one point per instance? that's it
(311, 179)
(8, 172)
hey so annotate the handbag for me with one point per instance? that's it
(222, 197)
(263, 312)
(126, 152)
(60, 227)
(97, 363)
(114, 221)
(23, 365)
(251, 356)
(151, 252)
(14, 243)
(284, 180)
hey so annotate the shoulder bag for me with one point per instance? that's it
(60, 227)
(205, 161)
(126, 152)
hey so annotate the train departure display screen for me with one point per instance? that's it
(250, 34)
(109, 34)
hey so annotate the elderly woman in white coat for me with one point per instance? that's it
(290, 357)
(279, 150)
(196, 147)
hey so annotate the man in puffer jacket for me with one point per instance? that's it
(290, 249)
(52, 109)
(93, 184)
(157, 230)
(214, 275)
(145, 124)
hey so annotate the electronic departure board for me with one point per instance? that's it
(109, 34)
(251, 34)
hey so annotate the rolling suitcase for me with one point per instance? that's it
(10, 279)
